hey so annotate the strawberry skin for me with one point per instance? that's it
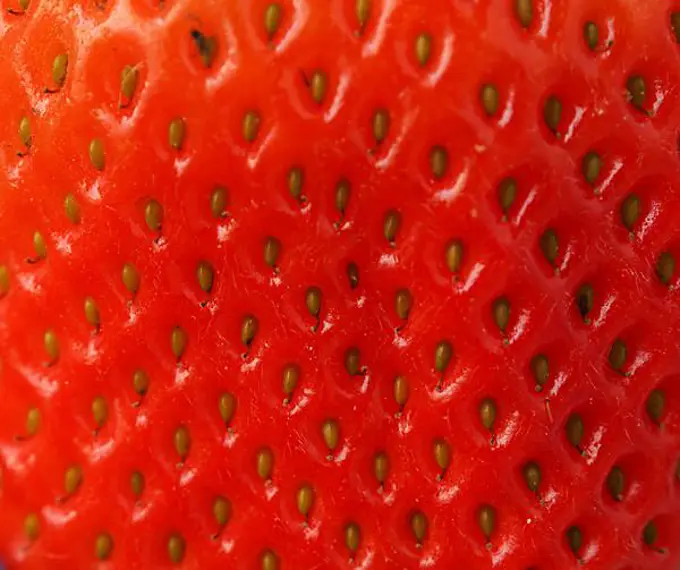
(349, 284)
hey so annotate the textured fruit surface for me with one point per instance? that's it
(372, 284)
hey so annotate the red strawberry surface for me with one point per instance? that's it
(374, 284)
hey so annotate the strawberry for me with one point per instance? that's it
(348, 284)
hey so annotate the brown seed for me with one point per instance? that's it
(140, 382)
(130, 277)
(487, 413)
(205, 276)
(265, 463)
(32, 421)
(616, 483)
(574, 539)
(486, 519)
(403, 302)
(4, 281)
(618, 354)
(100, 411)
(665, 267)
(400, 391)
(73, 477)
(178, 342)
(418, 524)
(575, 429)
(675, 25)
(72, 209)
(91, 312)
(442, 356)
(32, 526)
(128, 81)
(305, 500)
(439, 162)
(206, 46)
(591, 35)
(630, 211)
(352, 361)
(353, 274)
(423, 48)
(391, 225)
(153, 215)
(490, 99)
(656, 403)
(137, 483)
(103, 546)
(96, 153)
(221, 510)
(501, 313)
(331, 434)
(507, 192)
(269, 561)
(290, 378)
(524, 11)
(59, 69)
(381, 467)
(272, 19)
(532, 476)
(218, 202)
(362, 9)
(176, 131)
(650, 534)
(637, 91)
(51, 344)
(591, 165)
(381, 125)
(182, 441)
(552, 113)
(313, 301)
(540, 369)
(342, 193)
(251, 126)
(442, 454)
(272, 248)
(550, 246)
(585, 300)
(454, 255)
(249, 327)
(295, 182)
(317, 86)
(352, 537)
(227, 407)
(176, 548)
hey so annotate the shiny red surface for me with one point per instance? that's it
(473, 42)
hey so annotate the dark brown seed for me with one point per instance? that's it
(391, 225)
(381, 467)
(295, 182)
(249, 327)
(342, 193)
(176, 547)
(402, 303)
(550, 246)
(630, 211)
(650, 534)
(637, 90)
(591, 165)
(616, 483)
(532, 476)
(218, 202)
(4, 281)
(140, 382)
(73, 478)
(352, 361)
(272, 248)
(540, 370)
(490, 99)
(206, 46)
(656, 402)
(618, 354)
(507, 192)
(103, 546)
(574, 429)
(400, 391)
(585, 299)
(182, 440)
(313, 301)
(352, 537)
(501, 313)
(418, 526)
(176, 131)
(290, 378)
(442, 454)
(552, 113)
(675, 25)
(574, 539)
(423, 48)
(439, 162)
(153, 215)
(454, 255)
(665, 267)
(137, 483)
(227, 407)
(591, 35)
(178, 342)
(265, 463)
(317, 86)
(91, 312)
(250, 126)
(442, 356)
(487, 413)
(524, 11)
(353, 274)
(486, 518)
(221, 509)
(205, 276)
(381, 125)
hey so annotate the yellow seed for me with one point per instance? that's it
(442, 454)
(490, 99)
(4, 281)
(418, 526)
(73, 477)
(362, 9)
(381, 125)
(439, 161)
(422, 48)
(153, 215)
(128, 81)
(103, 546)
(269, 561)
(295, 182)
(51, 344)
(331, 434)
(39, 245)
(178, 342)
(342, 193)
(317, 86)
(25, 131)
(227, 407)
(313, 301)
(97, 154)
(400, 390)
(352, 361)
(140, 382)
(32, 526)
(352, 536)
(249, 328)
(486, 518)
(487, 413)
(205, 276)
(272, 247)
(454, 255)
(100, 411)
(265, 463)
(176, 547)
(130, 277)
(251, 126)
(272, 19)
(91, 312)
(402, 303)
(182, 441)
(221, 509)
(218, 202)
(32, 422)
(137, 483)
(305, 499)
(381, 467)
(290, 377)
(442, 356)
(72, 209)
(176, 131)
(59, 69)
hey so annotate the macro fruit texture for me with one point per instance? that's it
(372, 284)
